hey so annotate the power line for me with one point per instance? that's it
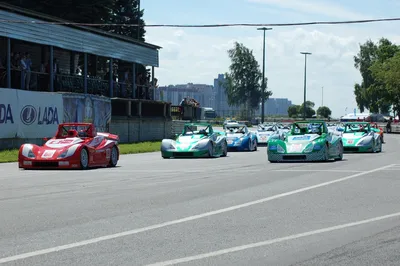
(204, 25)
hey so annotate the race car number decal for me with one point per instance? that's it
(350, 141)
(48, 153)
(230, 141)
(296, 147)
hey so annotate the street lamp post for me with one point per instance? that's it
(263, 77)
(305, 83)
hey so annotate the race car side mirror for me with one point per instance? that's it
(45, 139)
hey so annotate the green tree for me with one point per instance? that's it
(293, 111)
(126, 12)
(371, 93)
(309, 109)
(90, 11)
(82, 11)
(243, 82)
(388, 73)
(324, 111)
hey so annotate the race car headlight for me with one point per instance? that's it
(280, 149)
(317, 147)
(272, 147)
(363, 142)
(31, 154)
(63, 154)
(309, 148)
(69, 152)
(171, 146)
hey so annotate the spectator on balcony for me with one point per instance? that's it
(28, 63)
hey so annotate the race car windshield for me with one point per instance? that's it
(236, 130)
(73, 131)
(353, 128)
(196, 130)
(264, 128)
(307, 128)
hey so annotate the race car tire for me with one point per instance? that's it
(380, 147)
(340, 158)
(255, 146)
(84, 158)
(326, 153)
(210, 150)
(114, 157)
(224, 149)
(250, 146)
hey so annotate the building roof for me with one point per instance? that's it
(80, 38)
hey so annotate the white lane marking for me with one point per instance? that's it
(316, 170)
(182, 220)
(273, 241)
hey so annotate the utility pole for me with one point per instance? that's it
(322, 96)
(263, 77)
(138, 22)
(305, 83)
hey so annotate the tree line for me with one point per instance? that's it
(243, 86)
(96, 12)
(379, 66)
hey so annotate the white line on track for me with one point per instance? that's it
(182, 220)
(273, 241)
(316, 170)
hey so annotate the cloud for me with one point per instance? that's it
(323, 8)
(199, 55)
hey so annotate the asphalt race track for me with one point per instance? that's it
(238, 210)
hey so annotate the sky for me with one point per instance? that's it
(198, 55)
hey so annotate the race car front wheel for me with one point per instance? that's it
(114, 157)
(84, 159)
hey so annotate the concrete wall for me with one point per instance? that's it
(129, 130)
(136, 129)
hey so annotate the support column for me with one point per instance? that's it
(8, 63)
(85, 73)
(110, 78)
(153, 83)
(134, 88)
(51, 69)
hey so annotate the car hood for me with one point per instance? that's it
(184, 140)
(61, 143)
(356, 135)
(307, 138)
(234, 136)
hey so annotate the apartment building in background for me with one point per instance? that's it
(202, 93)
(276, 106)
(221, 100)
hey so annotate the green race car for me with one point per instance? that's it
(196, 140)
(306, 141)
(361, 137)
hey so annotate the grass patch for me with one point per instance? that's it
(141, 147)
(8, 156)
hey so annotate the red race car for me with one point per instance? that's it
(75, 146)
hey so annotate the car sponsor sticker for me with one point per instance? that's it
(61, 141)
(48, 153)
(230, 141)
(301, 138)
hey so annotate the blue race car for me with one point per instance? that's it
(240, 138)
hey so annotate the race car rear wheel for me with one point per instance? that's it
(255, 146)
(84, 159)
(114, 157)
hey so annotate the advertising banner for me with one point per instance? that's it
(8, 113)
(29, 114)
(40, 113)
(89, 109)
